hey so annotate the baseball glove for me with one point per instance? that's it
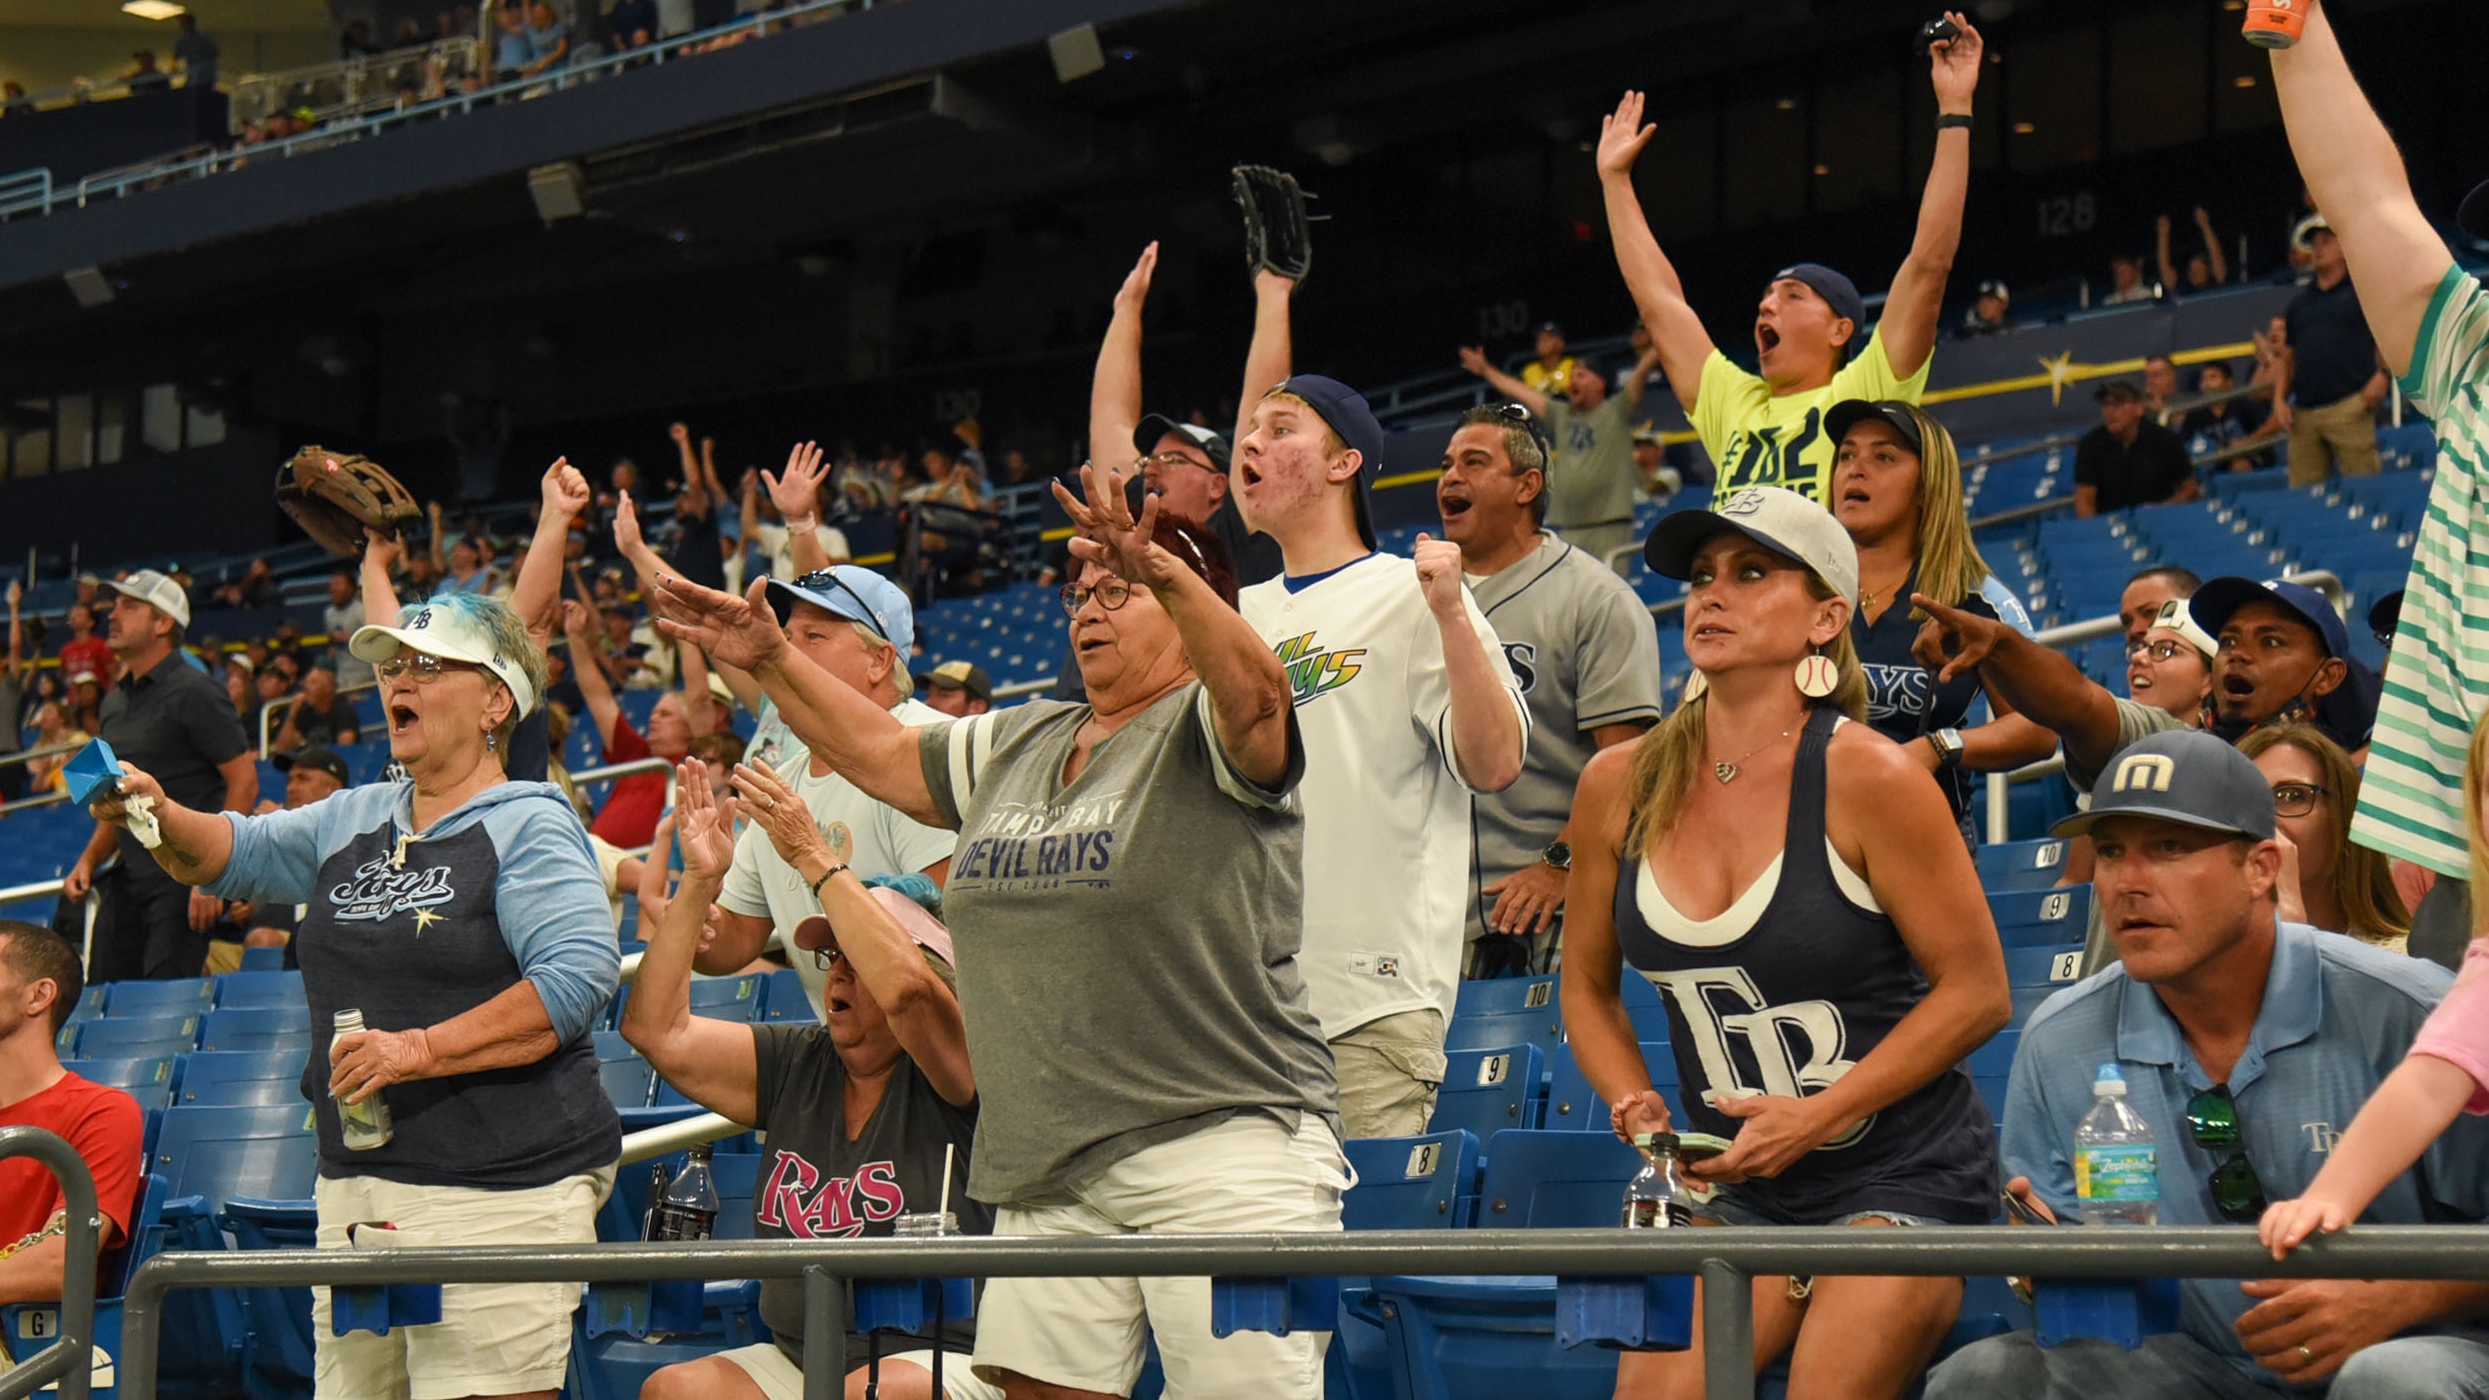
(1278, 234)
(335, 496)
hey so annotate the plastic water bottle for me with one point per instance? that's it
(688, 1209)
(1656, 1199)
(364, 1125)
(2116, 1166)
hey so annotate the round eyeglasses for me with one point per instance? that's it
(2295, 799)
(1112, 594)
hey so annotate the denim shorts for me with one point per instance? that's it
(1726, 1208)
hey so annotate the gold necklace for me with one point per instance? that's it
(1727, 771)
(1867, 596)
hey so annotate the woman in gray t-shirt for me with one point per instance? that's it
(1128, 900)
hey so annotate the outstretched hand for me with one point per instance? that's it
(1953, 642)
(626, 525)
(1110, 536)
(1634, 1114)
(742, 632)
(797, 493)
(1473, 359)
(703, 826)
(1953, 65)
(1622, 135)
(1135, 290)
(783, 817)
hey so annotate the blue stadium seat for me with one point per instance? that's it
(243, 1077)
(263, 959)
(258, 1028)
(611, 1046)
(614, 1366)
(727, 998)
(1496, 996)
(114, 1037)
(210, 1156)
(129, 1072)
(1573, 1106)
(627, 1082)
(1410, 1183)
(1542, 1026)
(1487, 1091)
(235, 990)
(2021, 865)
(1643, 1006)
(784, 999)
(2036, 974)
(2041, 917)
(182, 997)
(29, 1326)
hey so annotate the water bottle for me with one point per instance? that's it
(688, 1209)
(2116, 1169)
(364, 1125)
(1656, 1199)
(658, 1177)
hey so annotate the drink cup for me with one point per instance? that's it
(2275, 24)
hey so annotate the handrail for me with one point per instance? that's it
(255, 95)
(1724, 1258)
(69, 1361)
(268, 707)
(25, 190)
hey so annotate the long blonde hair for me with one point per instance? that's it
(2362, 878)
(1666, 758)
(2476, 786)
(1950, 566)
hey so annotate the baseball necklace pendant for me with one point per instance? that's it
(1726, 771)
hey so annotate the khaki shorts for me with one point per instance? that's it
(493, 1338)
(781, 1379)
(1388, 1072)
(1247, 1174)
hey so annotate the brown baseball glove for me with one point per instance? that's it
(336, 496)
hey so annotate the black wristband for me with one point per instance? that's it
(1946, 121)
(826, 876)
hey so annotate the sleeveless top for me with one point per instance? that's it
(1788, 1004)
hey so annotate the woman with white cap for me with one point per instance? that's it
(866, 1112)
(1821, 989)
(461, 914)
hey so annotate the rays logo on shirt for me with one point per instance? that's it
(1761, 456)
(1314, 670)
(797, 1200)
(1897, 690)
(379, 890)
(1020, 847)
(1796, 1049)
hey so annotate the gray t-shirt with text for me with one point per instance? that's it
(1591, 480)
(1127, 941)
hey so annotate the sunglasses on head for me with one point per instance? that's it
(2212, 1120)
(827, 578)
(1520, 416)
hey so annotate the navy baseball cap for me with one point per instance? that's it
(2384, 616)
(2185, 776)
(2219, 600)
(317, 757)
(1849, 413)
(855, 593)
(1353, 419)
(1838, 292)
(1146, 435)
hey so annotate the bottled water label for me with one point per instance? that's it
(1648, 1214)
(2122, 1173)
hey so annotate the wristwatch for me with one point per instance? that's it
(1558, 855)
(1949, 746)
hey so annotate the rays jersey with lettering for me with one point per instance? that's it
(1585, 653)
(1386, 811)
(1787, 1000)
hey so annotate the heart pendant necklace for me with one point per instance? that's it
(1725, 772)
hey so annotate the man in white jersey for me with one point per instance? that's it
(1406, 705)
(1585, 652)
(857, 626)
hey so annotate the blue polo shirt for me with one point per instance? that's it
(2338, 1016)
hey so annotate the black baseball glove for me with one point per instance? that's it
(1278, 235)
(335, 496)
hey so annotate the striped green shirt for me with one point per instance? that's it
(2437, 679)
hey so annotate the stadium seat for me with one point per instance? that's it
(784, 999)
(263, 959)
(130, 1072)
(114, 1037)
(208, 1157)
(2041, 917)
(1495, 996)
(29, 1326)
(1541, 1026)
(627, 1082)
(611, 1046)
(2021, 865)
(242, 1077)
(727, 998)
(182, 997)
(1487, 1091)
(2036, 974)
(236, 990)
(1643, 1006)
(1573, 1106)
(1410, 1183)
(258, 1028)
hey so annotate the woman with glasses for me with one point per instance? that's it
(2326, 881)
(1896, 487)
(461, 914)
(863, 1111)
(1127, 897)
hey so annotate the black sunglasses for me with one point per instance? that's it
(1529, 422)
(826, 578)
(2212, 1118)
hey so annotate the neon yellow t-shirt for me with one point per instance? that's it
(1758, 439)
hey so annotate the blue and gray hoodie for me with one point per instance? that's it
(414, 929)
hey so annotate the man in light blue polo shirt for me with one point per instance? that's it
(2248, 1045)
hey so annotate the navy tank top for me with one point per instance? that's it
(1789, 1006)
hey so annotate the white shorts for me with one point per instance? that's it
(781, 1379)
(1244, 1176)
(493, 1338)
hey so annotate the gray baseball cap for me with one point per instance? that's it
(2185, 776)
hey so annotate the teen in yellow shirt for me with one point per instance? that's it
(1766, 429)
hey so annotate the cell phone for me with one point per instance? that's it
(2022, 1210)
(1936, 31)
(1694, 1147)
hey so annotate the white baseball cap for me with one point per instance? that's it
(450, 633)
(1778, 519)
(156, 591)
(2176, 616)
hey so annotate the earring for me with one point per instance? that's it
(1817, 676)
(491, 742)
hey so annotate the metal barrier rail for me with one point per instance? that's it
(1724, 1258)
(361, 83)
(69, 1361)
(26, 191)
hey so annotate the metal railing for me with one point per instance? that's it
(292, 699)
(27, 191)
(1726, 1259)
(349, 87)
(69, 1361)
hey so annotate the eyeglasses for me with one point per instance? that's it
(828, 578)
(1112, 594)
(825, 958)
(1178, 459)
(425, 669)
(2296, 799)
(2161, 650)
(1520, 416)
(2212, 1118)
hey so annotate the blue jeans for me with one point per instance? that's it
(2174, 1366)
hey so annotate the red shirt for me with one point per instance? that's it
(106, 1128)
(633, 806)
(86, 654)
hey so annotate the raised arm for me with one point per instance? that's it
(440, 551)
(1639, 376)
(1488, 740)
(1271, 358)
(797, 495)
(1676, 332)
(2212, 247)
(380, 595)
(2160, 250)
(587, 671)
(711, 1061)
(841, 727)
(196, 845)
(1115, 385)
(2356, 176)
(2041, 683)
(539, 583)
(1908, 327)
(1474, 360)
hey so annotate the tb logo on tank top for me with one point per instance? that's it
(1792, 1050)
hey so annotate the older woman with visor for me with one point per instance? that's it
(461, 914)
(1127, 896)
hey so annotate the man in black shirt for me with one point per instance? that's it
(2129, 460)
(2331, 380)
(172, 722)
(2231, 421)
